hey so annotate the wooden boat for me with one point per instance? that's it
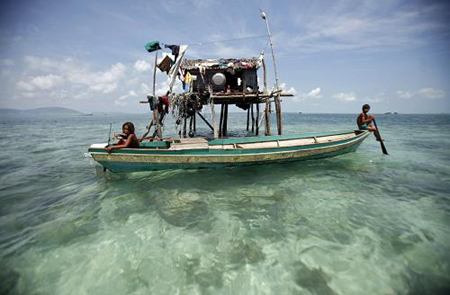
(194, 153)
(221, 82)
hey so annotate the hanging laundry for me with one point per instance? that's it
(175, 50)
(165, 64)
(188, 78)
(152, 46)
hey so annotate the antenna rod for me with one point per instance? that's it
(277, 97)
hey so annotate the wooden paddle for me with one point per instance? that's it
(383, 148)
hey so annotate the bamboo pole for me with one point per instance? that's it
(265, 73)
(155, 111)
(277, 97)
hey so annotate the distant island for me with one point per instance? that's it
(41, 111)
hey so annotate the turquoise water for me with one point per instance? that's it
(361, 223)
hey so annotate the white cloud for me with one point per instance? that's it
(431, 93)
(313, 94)
(364, 25)
(104, 88)
(345, 96)
(142, 66)
(123, 100)
(81, 81)
(40, 83)
(404, 94)
(426, 93)
(289, 91)
(7, 62)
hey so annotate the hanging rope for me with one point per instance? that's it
(227, 40)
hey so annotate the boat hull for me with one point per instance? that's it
(237, 154)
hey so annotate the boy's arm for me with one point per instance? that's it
(121, 146)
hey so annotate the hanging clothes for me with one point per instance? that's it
(152, 46)
(188, 78)
(175, 50)
(165, 64)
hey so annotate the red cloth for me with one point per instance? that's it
(163, 102)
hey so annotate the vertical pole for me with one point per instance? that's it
(253, 120)
(265, 73)
(277, 96)
(184, 128)
(257, 119)
(221, 120)
(155, 111)
(248, 115)
(190, 125)
(225, 122)
(267, 117)
(214, 119)
(195, 121)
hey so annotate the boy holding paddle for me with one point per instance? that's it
(364, 121)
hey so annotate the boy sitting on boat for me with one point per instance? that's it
(364, 121)
(128, 138)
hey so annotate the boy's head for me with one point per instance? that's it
(366, 108)
(128, 128)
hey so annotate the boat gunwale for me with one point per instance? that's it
(230, 152)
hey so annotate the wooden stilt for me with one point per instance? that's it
(248, 116)
(267, 117)
(278, 111)
(221, 120)
(257, 119)
(253, 119)
(195, 121)
(191, 122)
(216, 134)
(225, 121)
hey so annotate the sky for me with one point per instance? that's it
(334, 56)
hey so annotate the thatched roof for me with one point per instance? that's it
(241, 63)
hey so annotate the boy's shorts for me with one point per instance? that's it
(363, 127)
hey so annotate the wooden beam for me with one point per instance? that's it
(206, 122)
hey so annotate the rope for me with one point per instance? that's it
(227, 40)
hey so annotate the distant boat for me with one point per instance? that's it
(388, 113)
(299, 112)
(395, 113)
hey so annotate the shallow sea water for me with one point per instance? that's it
(361, 223)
